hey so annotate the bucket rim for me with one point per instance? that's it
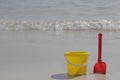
(76, 53)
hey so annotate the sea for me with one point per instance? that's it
(59, 15)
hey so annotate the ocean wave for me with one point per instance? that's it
(65, 25)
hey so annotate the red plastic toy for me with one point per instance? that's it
(100, 67)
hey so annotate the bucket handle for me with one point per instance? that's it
(79, 65)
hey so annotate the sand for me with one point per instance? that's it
(35, 55)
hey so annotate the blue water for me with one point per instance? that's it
(102, 13)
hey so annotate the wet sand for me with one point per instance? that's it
(35, 55)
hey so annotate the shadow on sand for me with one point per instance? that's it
(65, 76)
(60, 76)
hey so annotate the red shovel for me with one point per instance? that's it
(100, 67)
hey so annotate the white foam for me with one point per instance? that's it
(12, 25)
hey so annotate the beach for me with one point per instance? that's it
(34, 55)
(35, 35)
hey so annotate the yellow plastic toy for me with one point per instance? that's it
(76, 62)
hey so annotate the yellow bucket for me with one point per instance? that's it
(76, 62)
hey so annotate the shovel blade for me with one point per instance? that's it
(100, 67)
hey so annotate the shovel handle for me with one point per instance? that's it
(99, 47)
